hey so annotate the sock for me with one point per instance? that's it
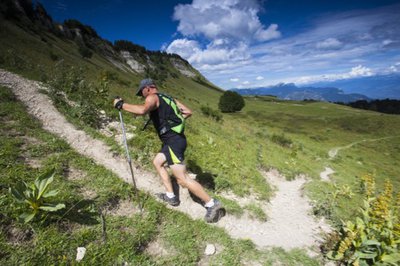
(209, 204)
(170, 194)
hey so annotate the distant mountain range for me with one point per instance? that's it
(375, 87)
(289, 91)
(349, 90)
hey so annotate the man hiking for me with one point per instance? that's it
(168, 116)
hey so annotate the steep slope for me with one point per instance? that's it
(81, 67)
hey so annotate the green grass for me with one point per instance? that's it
(27, 150)
(256, 212)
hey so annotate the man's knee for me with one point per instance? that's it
(158, 161)
(182, 181)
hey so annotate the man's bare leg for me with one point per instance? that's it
(158, 163)
(214, 208)
(179, 171)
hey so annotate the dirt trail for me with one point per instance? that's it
(289, 224)
(334, 151)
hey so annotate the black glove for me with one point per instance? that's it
(119, 104)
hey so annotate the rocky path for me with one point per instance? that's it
(289, 223)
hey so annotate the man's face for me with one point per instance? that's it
(147, 90)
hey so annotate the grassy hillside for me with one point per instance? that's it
(368, 143)
(226, 155)
(101, 213)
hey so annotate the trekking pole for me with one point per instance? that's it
(128, 157)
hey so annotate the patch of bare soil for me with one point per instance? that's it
(26, 156)
(74, 174)
(124, 208)
(17, 236)
(88, 194)
(157, 248)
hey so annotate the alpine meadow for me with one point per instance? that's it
(61, 191)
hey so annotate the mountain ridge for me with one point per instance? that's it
(123, 54)
(289, 91)
(382, 86)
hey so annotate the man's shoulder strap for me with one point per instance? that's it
(164, 95)
(167, 98)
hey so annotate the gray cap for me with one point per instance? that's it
(144, 83)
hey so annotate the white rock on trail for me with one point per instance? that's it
(210, 250)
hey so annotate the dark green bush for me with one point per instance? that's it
(54, 56)
(231, 102)
(85, 52)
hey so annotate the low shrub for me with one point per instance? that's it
(85, 52)
(53, 56)
(79, 99)
(214, 114)
(281, 140)
(15, 60)
(374, 237)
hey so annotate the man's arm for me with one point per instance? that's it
(149, 105)
(186, 112)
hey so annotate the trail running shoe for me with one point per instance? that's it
(171, 201)
(215, 212)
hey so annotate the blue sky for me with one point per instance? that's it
(252, 43)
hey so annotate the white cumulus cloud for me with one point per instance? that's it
(360, 71)
(232, 19)
(234, 79)
(183, 47)
(218, 35)
(259, 78)
(268, 34)
(213, 54)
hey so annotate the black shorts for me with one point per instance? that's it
(174, 149)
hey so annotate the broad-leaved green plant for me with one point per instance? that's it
(35, 196)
